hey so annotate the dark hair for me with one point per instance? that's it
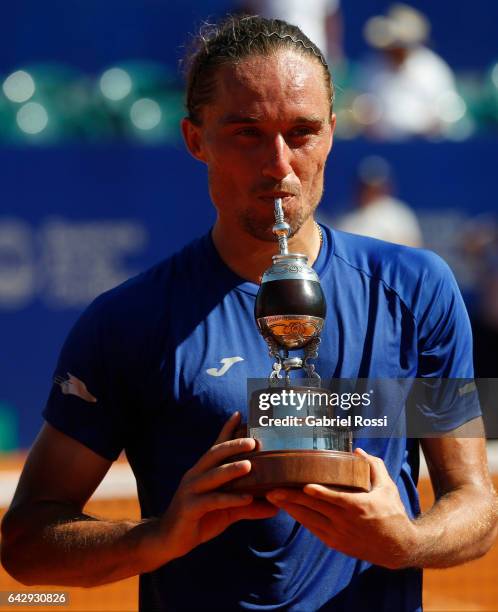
(233, 39)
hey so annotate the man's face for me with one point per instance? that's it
(266, 134)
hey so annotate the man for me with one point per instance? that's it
(412, 86)
(148, 352)
(377, 212)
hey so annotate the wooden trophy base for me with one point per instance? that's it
(296, 468)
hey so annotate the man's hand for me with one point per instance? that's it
(199, 511)
(370, 526)
(48, 539)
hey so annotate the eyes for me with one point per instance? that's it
(296, 133)
(302, 131)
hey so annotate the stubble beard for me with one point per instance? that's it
(296, 217)
(262, 230)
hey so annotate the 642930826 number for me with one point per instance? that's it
(33, 598)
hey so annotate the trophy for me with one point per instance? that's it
(302, 442)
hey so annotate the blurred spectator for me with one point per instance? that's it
(408, 89)
(379, 214)
(485, 97)
(320, 20)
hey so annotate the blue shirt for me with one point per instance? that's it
(147, 351)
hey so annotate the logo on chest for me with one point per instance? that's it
(227, 362)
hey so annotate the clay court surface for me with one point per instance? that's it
(471, 587)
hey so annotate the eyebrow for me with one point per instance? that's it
(315, 119)
(235, 118)
(248, 119)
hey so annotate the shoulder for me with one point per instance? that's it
(416, 275)
(137, 313)
(148, 293)
(387, 261)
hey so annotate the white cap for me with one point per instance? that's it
(403, 26)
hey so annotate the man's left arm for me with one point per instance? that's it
(463, 522)
(374, 526)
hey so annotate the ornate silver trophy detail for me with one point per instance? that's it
(290, 313)
(290, 306)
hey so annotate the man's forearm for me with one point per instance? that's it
(461, 526)
(53, 544)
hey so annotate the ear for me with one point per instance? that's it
(192, 135)
(332, 130)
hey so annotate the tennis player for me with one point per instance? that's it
(158, 367)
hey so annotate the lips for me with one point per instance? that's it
(271, 197)
(277, 194)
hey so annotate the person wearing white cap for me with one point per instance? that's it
(409, 85)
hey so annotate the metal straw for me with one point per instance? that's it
(281, 228)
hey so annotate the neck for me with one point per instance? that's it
(249, 257)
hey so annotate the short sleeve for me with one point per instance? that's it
(86, 401)
(445, 352)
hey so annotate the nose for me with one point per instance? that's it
(277, 164)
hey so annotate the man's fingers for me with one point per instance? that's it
(256, 510)
(279, 496)
(238, 505)
(229, 428)
(306, 516)
(337, 498)
(220, 476)
(220, 452)
(378, 471)
(202, 504)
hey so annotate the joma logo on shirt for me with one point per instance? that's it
(74, 386)
(227, 364)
